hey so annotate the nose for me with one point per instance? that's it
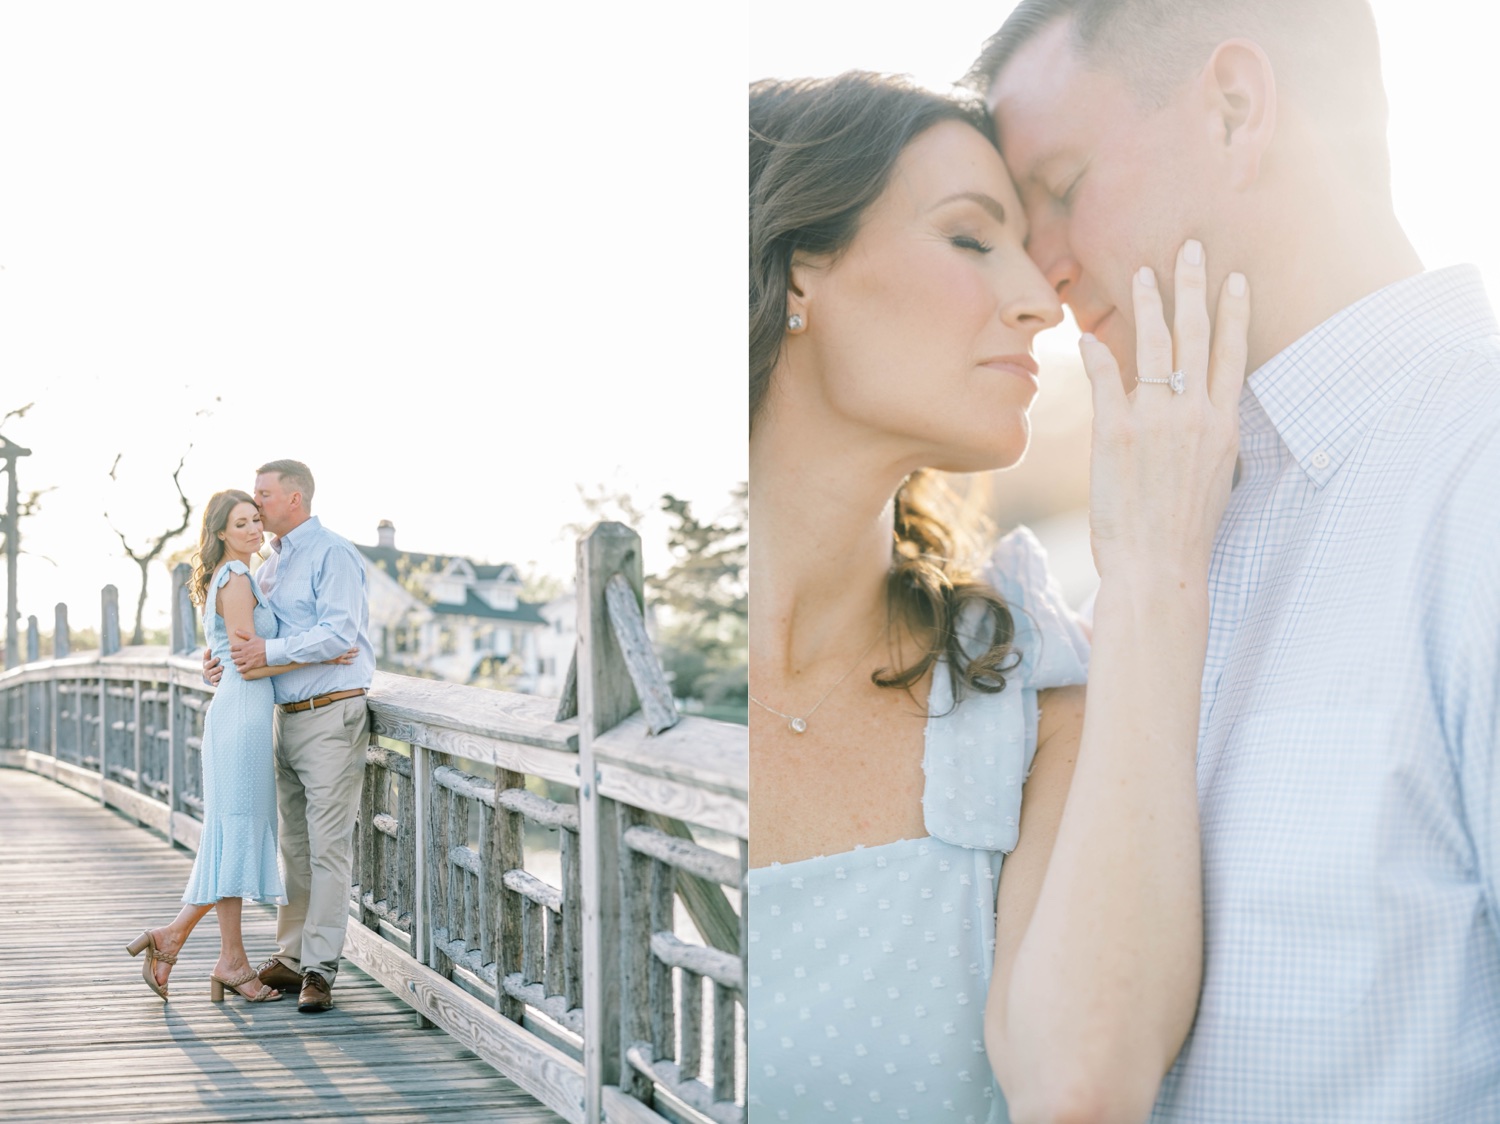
(1033, 305)
(1049, 248)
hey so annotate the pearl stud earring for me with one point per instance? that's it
(794, 323)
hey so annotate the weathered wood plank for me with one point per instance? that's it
(493, 715)
(559, 765)
(537, 809)
(544, 1071)
(690, 804)
(94, 1045)
(658, 707)
(684, 855)
(696, 751)
(620, 1109)
(722, 967)
(691, 1092)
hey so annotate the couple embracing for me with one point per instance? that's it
(284, 739)
(1233, 854)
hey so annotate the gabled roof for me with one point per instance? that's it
(525, 612)
(389, 559)
(397, 563)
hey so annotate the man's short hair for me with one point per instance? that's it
(1326, 55)
(298, 473)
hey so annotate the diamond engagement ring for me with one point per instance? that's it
(1176, 380)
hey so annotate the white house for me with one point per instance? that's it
(451, 618)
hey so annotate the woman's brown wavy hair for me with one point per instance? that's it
(821, 151)
(210, 547)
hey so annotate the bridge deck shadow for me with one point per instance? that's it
(82, 1038)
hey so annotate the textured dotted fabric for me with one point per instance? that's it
(237, 851)
(869, 969)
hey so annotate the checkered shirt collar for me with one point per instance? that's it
(1322, 393)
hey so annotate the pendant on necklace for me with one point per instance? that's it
(798, 725)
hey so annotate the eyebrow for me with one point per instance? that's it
(988, 202)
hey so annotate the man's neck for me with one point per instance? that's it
(1296, 290)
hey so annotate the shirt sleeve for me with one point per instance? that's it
(338, 597)
(1467, 586)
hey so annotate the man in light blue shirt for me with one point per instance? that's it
(1349, 800)
(315, 583)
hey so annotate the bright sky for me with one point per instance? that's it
(1438, 59)
(453, 256)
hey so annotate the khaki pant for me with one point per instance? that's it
(320, 764)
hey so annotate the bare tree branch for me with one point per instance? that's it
(18, 412)
(145, 557)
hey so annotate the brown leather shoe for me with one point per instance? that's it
(273, 973)
(316, 994)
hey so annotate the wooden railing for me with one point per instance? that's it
(557, 886)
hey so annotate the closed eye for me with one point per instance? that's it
(1065, 195)
(966, 242)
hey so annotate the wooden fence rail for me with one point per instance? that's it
(556, 886)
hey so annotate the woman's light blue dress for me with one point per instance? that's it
(237, 851)
(869, 969)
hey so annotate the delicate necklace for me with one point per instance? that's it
(799, 725)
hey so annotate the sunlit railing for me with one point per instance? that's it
(556, 885)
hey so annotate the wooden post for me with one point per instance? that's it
(174, 772)
(605, 698)
(109, 621)
(406, 815)
(184, 616)
(690, 1026)
(421, 784)
(62, 641)
(635, 958)
(724, 1043)
(103, 737)
(659, 975)
(502, 903)
(438, 866)
(139, 764)
(10, 452)
(421, 911)
(365, 838)
(35, 692)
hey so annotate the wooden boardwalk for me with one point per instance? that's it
(82, 1038)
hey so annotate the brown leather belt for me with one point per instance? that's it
(318, 700)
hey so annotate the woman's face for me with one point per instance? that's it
(921, 330)
(242, 532)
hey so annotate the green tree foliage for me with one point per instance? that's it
(701, 601)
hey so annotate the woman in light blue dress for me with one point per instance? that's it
(237, 849)
(974, 892)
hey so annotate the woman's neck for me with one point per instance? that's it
(821, 551)
(243, 557)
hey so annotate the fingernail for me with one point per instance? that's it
(1146, 277)
(1192, 252)
(1087, 337)
(1236, 284)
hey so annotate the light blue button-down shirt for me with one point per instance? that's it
(315, 583)
(1347, 753)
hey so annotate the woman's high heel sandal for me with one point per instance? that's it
(147, 943)
(216, 988)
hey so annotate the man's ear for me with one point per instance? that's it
(1239, 93)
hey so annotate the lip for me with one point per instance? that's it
(1023, 365)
